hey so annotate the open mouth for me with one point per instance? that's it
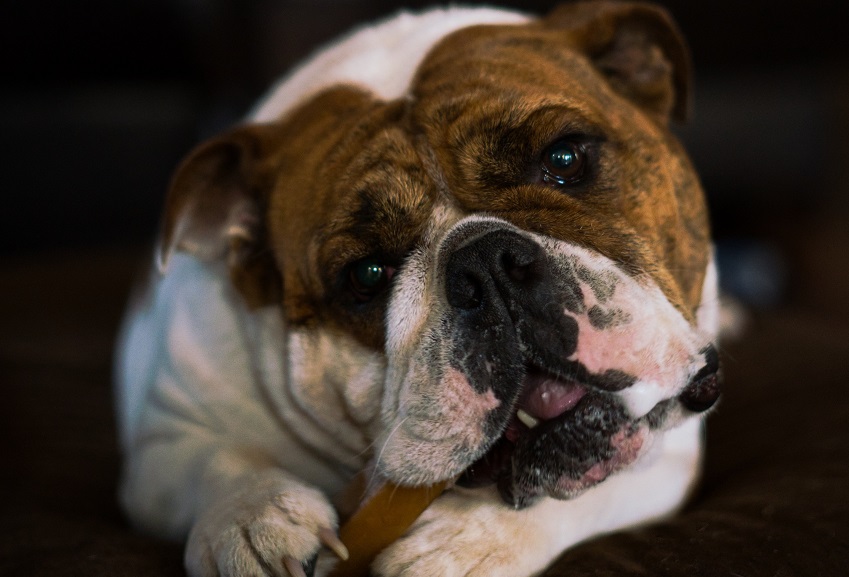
(543, 397)
(564, 436)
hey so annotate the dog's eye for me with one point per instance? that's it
(564, 163)
(368, 277)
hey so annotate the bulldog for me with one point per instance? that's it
(461, 245)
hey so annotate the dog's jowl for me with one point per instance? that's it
(459, 246)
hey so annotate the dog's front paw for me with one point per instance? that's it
(270, 525)
(461, 537)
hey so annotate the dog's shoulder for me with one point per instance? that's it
(185, 320)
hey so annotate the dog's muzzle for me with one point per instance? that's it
(559, 428)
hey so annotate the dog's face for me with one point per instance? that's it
(509, 261)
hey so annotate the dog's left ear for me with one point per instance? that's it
(637, 46)
(215, 209)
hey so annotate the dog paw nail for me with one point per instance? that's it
(294, 567)
(331, 540)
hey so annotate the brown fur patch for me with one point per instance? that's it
(351, 185)
(345, 177)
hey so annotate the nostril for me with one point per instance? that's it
(520, 265)
(498, 267)
(464, 292)
(518, 273)
(702, 393)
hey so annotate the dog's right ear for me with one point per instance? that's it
(215, 207)
(637, 46)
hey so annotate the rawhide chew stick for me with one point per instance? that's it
(380, 521)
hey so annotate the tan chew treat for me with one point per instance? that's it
(381, 520)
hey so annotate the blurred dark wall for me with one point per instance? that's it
(99, 99)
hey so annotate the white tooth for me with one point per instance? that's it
(529, 421)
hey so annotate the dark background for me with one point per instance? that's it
(100, 98)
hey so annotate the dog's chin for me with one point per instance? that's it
(562, 438)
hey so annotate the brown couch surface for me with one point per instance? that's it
(774, 500)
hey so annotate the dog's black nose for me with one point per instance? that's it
(705, 387)
(509, 308)
(501, 265)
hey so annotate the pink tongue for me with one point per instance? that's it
(546, 397)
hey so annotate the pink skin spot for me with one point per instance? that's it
(596, 474)
(627, 445)
(465, 409)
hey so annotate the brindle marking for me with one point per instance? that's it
(345, 175)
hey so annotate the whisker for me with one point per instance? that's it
(372, 483)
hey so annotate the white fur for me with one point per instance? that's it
(200, 376)
(708, 315)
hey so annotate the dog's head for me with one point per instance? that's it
(514, 247)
